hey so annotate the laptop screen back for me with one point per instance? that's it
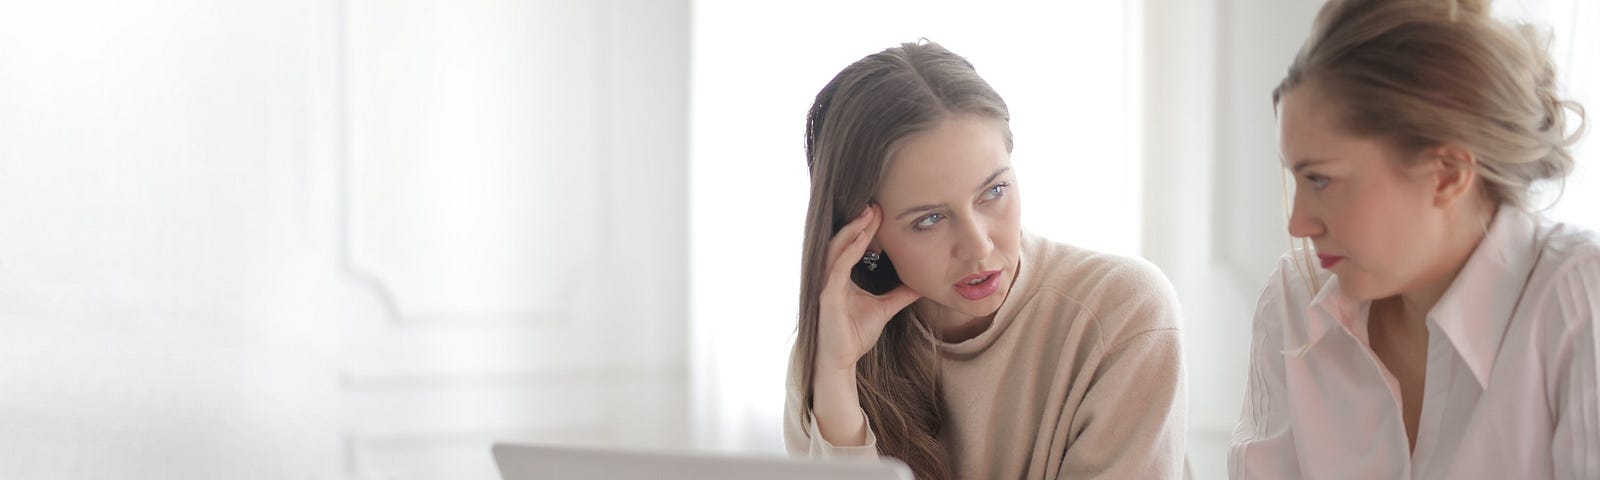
(542, 462)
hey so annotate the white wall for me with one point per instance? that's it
(515, 223)
(338, 239)
(159, 309)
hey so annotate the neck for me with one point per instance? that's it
(1413, 304)
(948, 324)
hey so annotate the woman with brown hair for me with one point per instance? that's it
(1449, 330)
(934, 330)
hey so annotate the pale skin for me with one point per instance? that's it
(946, 211)
(1396, 227)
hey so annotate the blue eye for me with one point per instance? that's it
(928, 221)
(1317, 181)
(996, 191)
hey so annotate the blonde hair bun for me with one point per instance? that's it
(1475, 7)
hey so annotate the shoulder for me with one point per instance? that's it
(1126, 295)
(1564, 241)
(1570, 248)
(1567, 276)
(1088, 273)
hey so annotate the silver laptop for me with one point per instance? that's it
(544, 462)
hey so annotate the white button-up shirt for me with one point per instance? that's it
(1511, 385)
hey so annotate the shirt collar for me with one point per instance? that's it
(1474, 311)
(1329, 310)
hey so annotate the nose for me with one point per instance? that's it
(973, 243)
(1304, 221)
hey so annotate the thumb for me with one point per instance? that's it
(899, 298)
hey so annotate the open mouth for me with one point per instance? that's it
(979, 286)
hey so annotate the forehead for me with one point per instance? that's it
(1305, 119)
(1309, 129)
(954, 156)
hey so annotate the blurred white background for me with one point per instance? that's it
(367, 238)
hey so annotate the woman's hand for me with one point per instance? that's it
(850, 318)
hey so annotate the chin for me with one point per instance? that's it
(1362, 290)
(983, 308)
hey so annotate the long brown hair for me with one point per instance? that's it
(853, 128)
(1423, 73)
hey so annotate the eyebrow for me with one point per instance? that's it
(931, 206)
(1308, 162)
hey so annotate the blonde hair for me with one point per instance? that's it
(855, 124)
(1425, 73)
(1420, 74)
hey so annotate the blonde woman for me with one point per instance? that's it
(1439, 328)
(934, 330)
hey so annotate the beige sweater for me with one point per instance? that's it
(1080, 376)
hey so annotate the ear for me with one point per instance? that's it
(1454, 174)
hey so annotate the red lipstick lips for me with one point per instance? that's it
(1328, 261)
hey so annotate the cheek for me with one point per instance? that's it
(1357, 215)
(910, 254)
(1394, 217)
(1391, 232)
(918, 265)
(1008, 231)
(1014, 208)
(1363, 229)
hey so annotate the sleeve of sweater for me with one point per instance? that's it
(801, 436)
(1263, 444)
(1131, 423)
